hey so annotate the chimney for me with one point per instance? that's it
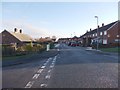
(20, 30)
(102, 24)
(98, 26)
(90, 29)
(15, 30)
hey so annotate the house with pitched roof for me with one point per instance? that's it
(107, 35)
(16, 38)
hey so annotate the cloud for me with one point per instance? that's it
(28, 28)
(37, 31)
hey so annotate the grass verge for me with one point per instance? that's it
(113, 50)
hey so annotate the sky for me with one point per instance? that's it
(60, 19)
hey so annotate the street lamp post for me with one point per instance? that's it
(97, 32)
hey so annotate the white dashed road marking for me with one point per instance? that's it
(40, 70)
(29, 85)
(49, 71)
(43, 85)
(43, 66)
(53, 63)
(35, 76)
(51, 66)
(47, 77)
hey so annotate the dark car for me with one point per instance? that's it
(69, 44)
(73, 44)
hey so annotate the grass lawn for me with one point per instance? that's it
(114, 50)
(16, 57)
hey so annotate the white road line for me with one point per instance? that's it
(29, 84)
(49, 71)
(47, 77)
(51, 66)
(58, 49)
(40, 70)
(36, 76)
(49, 59)
(43, 85)
(53, 63)
(45, 64)
(55, 58)
(43, 67)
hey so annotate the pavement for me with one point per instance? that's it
(99, 51)
(71, 67)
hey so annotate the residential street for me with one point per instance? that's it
(71, 67)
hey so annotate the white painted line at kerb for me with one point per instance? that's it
(36, 76)
(43, 85)
(29, 84)
(40, 71)
(43, 67)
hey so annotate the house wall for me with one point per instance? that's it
(7, 38)
(112, 34)
(108, 39)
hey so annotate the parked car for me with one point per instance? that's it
(73, 44)
(69, 44)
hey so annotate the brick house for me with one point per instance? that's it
(16, 38)
(107, 35)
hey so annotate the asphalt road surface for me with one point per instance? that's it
(72, 67)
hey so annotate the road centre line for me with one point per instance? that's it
(43, 85)
(53, 63)
(49, 71)
(40, 70)
(36, 76)
(43, 67)
(29, 84)
(47, 77)
(51, 66)
(45, 64)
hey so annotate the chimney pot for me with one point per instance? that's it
(98, 26)
(20, 30)
(90, 29)
(15, 29)
(102, 24)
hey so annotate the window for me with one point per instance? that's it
(105, 32)
(93, 35)
(117, 35)
(3, 35)
(108, 35)
(101, 33)
(104, 41)
(96, 34)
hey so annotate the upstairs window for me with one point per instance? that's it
(101, 33)
(117, 35)
(105, 32)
